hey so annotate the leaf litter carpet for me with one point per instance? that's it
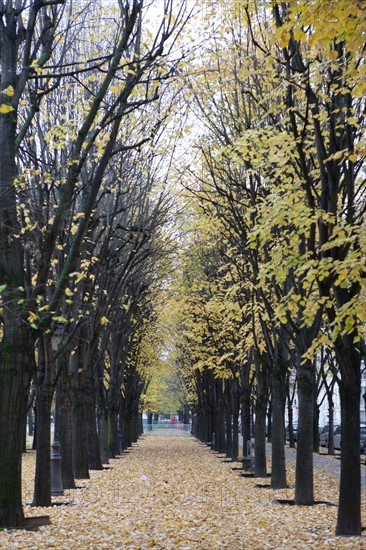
(174, 493)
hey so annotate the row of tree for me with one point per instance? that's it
(273, 271)
(84, 247)
(272, 252)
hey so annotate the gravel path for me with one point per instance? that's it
(329, 465)
(173, 493)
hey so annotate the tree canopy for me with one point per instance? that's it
(183, 202)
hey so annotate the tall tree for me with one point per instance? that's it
(27, 75)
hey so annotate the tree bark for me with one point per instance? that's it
(220, 431)
(94, 460)
(42, 483)
(349, 509)
(229, 434)
(235, 446)
(304, 490)
(103, 436)
(260, 463)
(278, 475)
(44, 394)
(140, 427)
(79, 436)
(16, 344)
(245, 416)
(15, 377)
(113, 443)
(331, 427)
(65, 431)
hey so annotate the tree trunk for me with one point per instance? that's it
(15, 377)
(290, 414)
(220, 431)
(65, 431)
(113, 443)
(122, 432)
(235, 446)
(331, 427)
(229, 434)
(260, 464)
(103, 436)
(44, 392)
(140, 425)
(316, 426)
(349, 509)
(134, 426)
(24, 439)
(207, 434)
(269, 417)
(194, 427)
(79, 436)
(34, 443)
(127, 430)
(94, 461)
(278, 475)
(304, 490)
(245, 418)
(131, 429)
(42, 483)
(16, 339)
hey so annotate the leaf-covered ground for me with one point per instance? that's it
(174, 493)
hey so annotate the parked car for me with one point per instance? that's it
(337, 438)
(324, 436)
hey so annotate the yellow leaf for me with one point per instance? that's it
(359, 90)
(68, 292)
(79, 215)
(32, 317)
(9, 91)
(104, 320)
(78, 276)
(337, 155)
(4, 109)
(349, 324)
(361, 314)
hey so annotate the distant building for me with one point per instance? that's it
(324, 409)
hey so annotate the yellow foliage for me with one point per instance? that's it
(4, 108)
(9, 91)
